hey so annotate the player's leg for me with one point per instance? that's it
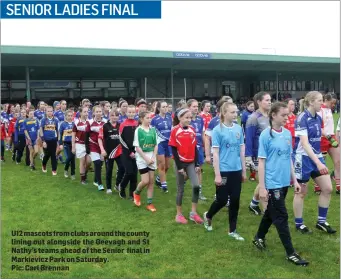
(335, 156)
(325, 184)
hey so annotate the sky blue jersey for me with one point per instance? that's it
(229, 141)
(277, 152)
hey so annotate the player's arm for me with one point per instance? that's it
(60, 134)
(138, 149)
(16, 131)
(73, 139)
(87, 139)
(262, 155)
(41, 130)
(250, 134)
(27, 135)
(100, 141)
(242, 154)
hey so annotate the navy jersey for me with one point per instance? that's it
(213, 123)
(50, 128)
(65, 132)
(105, 117)
(245, 116)
(4, 116)
(19, 128)
(59, 114)
(89, 115)
(255, 125)
(163, 127)
(310, 126)
(198, 126)
(39, 114)
(121, 118)
(136, 117)
(32, 128)
(10, 116)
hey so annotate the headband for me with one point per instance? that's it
(182, 112)
(141, 102)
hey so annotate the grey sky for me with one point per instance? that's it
(309, 28)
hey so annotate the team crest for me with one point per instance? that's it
(238, 136)
(277, 194)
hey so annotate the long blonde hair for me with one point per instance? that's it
(223, 110)
(309, 98)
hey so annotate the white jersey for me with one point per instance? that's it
(338, 125)
(328, 120)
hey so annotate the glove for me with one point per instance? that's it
(333, 142)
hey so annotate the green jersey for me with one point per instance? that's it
(146, 140)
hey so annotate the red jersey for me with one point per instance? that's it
(207, 117)
(80, 128)
(291, 124)
(184, 140)
(94, 128)
(3, 130)
(291, 127)
(11, 126)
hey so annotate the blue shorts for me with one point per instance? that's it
(164, 149)
(201, 155)
(34, 142)
(305, 168)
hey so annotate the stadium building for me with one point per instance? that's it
(50, 73)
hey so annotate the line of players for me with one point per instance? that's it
(142, 141)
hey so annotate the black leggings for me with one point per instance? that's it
(231, 187)
(27, 160)
(276, 214)
(50, 151)
(130, 173)
(20, 147)
(70, 158)
(2, 149)
(119, 173)
(98, 171)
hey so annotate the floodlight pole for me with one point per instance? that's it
(185, 85)
(28, 89)
(145, 88)
(172, 86)
(276, 86)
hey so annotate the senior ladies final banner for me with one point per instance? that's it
(80, 9)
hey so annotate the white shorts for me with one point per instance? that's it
(141, 163)
(95, 156)
(80, 150)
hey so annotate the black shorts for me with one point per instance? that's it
(145, 170)
(313, 175)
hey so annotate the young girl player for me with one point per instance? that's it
(146, 149)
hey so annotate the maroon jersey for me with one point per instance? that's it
(94, 128)
(80, 128)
